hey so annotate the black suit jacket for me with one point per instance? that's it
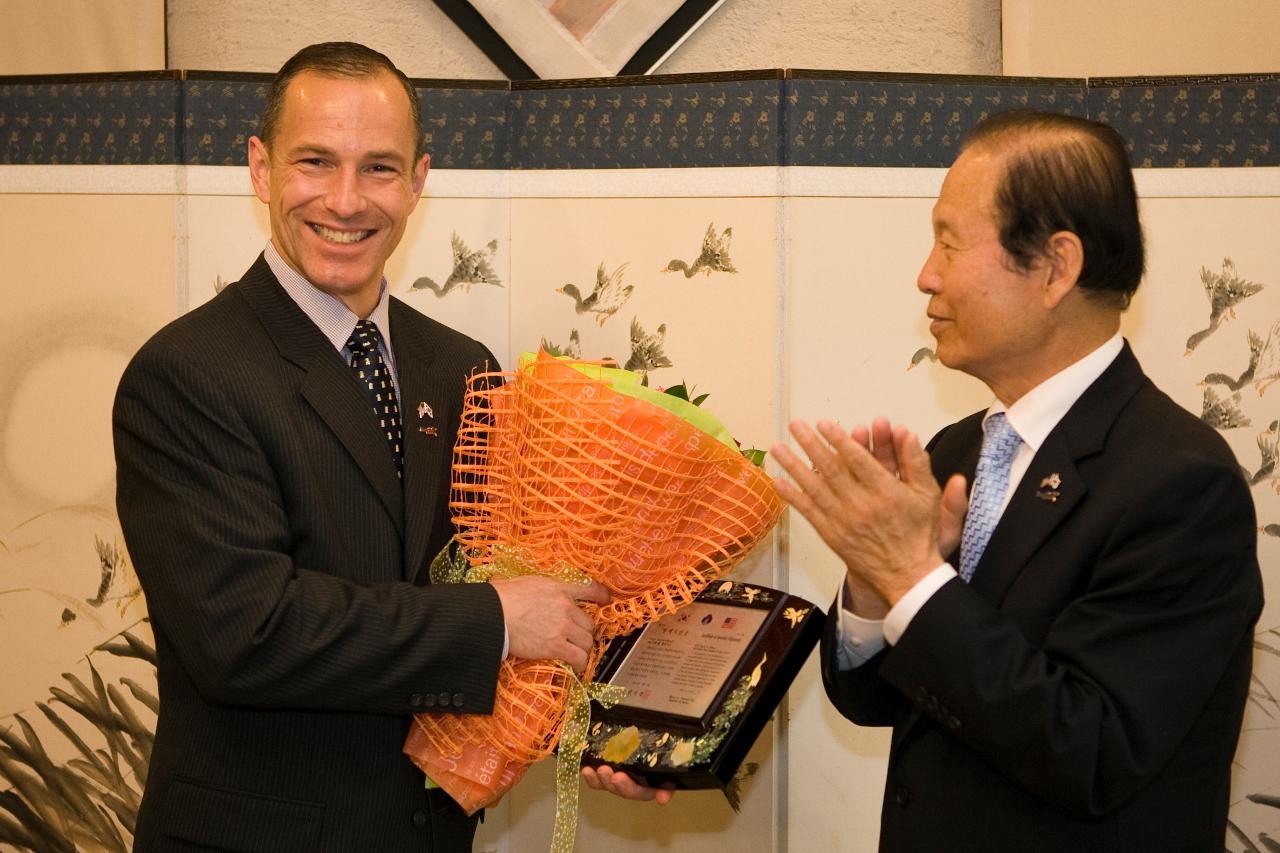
(1085, 692)
(284, 570)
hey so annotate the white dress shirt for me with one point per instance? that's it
(335, 320)
(1033, 416)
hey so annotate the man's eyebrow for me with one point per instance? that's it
(299, 150)
(395, 156)
(324, 151)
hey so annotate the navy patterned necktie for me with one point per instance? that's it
(374, 378)
(1000, 441)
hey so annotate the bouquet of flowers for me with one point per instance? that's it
(576, 469)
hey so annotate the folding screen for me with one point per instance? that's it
(761, 233)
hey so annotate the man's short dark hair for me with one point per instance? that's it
(1063, 173)
(337, 59)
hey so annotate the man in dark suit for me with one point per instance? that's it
(281, 520)
(1074, 677)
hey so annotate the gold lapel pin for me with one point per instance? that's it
(1050, 495)
(424, 411)
(1051, 482)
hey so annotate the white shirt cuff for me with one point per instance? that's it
(901, 614)
(859, 639)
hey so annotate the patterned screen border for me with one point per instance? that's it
(761, 118)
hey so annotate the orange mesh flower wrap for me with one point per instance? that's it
(562, 473)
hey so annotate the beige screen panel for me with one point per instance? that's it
(77, 305)
(1097, 38)
(74, 36)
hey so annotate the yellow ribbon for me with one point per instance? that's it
(450, 566)
(573, 740)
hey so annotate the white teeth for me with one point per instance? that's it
(340, 236)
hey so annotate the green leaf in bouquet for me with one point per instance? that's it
(684, 391)
(755, 456)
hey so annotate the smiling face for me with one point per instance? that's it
(340, 179)
(989, 320)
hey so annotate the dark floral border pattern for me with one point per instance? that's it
(917, 121)
(1193, 121)
(219, 114)
(117, 119)
(764, 118)
(705, 123)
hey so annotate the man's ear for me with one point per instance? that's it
(260, 169)
(1063, 260)
(420, 175)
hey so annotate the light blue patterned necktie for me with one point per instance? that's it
(1000, 442)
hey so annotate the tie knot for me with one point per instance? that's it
(364, 337)
(999, 439)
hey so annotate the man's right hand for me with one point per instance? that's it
(544, 621)
(879, 511)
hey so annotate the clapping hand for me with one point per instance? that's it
(871, 495)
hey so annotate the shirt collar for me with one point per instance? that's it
(1036, 413)
(334, 319)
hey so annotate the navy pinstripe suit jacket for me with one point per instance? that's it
(284, 570)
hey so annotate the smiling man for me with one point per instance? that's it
(281, 515)
(1072, 676)
(339, 167)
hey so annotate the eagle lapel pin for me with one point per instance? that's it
(1049, 488)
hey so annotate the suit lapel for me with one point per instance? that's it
(1033, 512)
(1029, 518)
(425, 410)
(327, 385)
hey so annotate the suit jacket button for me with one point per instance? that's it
(444, 700)
(901, 796)
(415, 701)
(458, 700)
(954, 723)
(419, 819)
